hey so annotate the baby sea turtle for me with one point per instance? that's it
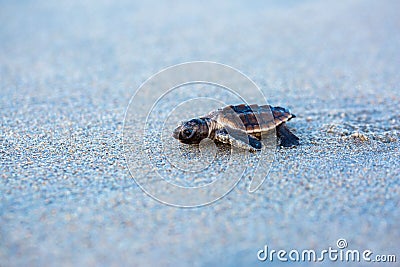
(239, 125)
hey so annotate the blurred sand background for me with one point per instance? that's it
(68, 70)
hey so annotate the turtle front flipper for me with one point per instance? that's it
(288, 139)
(237, 138)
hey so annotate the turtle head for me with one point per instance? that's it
(191, 132)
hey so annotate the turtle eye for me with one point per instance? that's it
(187, 132)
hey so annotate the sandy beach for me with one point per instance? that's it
(68, 71)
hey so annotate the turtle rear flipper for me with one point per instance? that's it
(237, 138)
(288, 139)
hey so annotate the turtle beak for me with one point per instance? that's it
(176, 132)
